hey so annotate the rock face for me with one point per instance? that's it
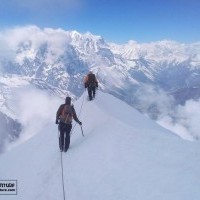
(10, 130)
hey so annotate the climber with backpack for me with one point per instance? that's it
(91, 84)
(64, 116)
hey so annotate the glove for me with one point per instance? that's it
(80, 123)
(57, 122)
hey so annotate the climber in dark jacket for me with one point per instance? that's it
(91, 84)
(64, 116)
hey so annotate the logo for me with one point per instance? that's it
(8, 187)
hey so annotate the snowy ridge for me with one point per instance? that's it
(123, 155)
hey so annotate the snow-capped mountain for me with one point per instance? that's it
(152, 77)
(62, 58)
(123, 155)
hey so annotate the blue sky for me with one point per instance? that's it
(115, 20)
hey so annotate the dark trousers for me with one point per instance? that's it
(64, 139)
(91, 92)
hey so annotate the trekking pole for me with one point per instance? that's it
(82, 130)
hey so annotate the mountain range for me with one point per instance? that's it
(154, 77)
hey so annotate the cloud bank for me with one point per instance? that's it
(31, 38)
(180, 119)
(35, 109)
(184, 121)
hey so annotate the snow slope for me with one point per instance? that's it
(123, 156)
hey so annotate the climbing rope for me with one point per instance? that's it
(63, 184)
(61, 164)
(61, 158)
(79, 112)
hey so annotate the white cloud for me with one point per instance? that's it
(190, 115)
(33, 37)
(151, 98)
(35, 109)
(13, 37)
(178, 128)
(182, 119)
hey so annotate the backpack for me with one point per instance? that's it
(67, 114)
(91, 80)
